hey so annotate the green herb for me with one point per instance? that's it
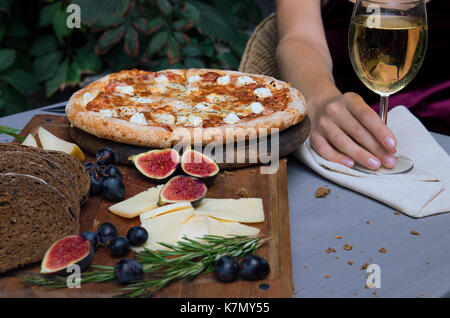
(11, 132)
(182, 261)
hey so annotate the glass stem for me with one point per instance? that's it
(384, 107)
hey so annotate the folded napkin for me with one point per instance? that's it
(423, 191)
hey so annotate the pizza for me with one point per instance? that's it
(160, 109)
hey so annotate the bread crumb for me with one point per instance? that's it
(330, 249)
(228, 173)
(336, 257)
(414, 233)
(307, 189)
(348, 247)
(350, 262)
(337, 237)
(382, 250)
(397, 213)
(242, 193)
(367, 222)
(422, 295)
(322, 192)
(326, 276)
(427, 263)
(364, 266)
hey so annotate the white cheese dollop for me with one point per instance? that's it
(245, 80)
(161, 79)
(256, 107)
(138, 118)
(125, 89)
(87, 97)
(108, 112)
(193, 79)
(262, 92)
(191, 120)
(223, 80)
(142, 100)
(202, 106)
(231, 118)
(166, 119)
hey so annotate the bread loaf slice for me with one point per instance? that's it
(33, 215)
(9, 163)
(74, 169)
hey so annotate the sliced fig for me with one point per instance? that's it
(158, 165)
(196, 164)
(67, 251)
(183, 189)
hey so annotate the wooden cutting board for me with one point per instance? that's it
(229, 184)
(289, 140)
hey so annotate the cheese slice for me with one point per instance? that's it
(141, 202)
(247, 210)
(221, 228)
(30, 141)
(165, 228)
(165, 209)
(194, 227)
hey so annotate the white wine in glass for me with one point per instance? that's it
(387, 45)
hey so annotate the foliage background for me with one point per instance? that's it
(41, 56)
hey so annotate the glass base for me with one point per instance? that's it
(404, 164)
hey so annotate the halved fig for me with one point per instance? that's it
(158, 165)
(196, 164)
(182, 189)
(73, 249)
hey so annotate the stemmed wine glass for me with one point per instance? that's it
(387, 45)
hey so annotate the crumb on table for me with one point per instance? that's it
(330, 249)
(415, 233)
(242, 193)
(364, 266)
(382, 250)
(322, 192)
(348, 247)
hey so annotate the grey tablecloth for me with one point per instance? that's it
(412, 265)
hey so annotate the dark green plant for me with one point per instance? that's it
(39, 51)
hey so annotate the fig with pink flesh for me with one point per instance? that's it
(158, 165)
(183, 189)
(196, 164)
(67, 251)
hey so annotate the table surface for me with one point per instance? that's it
(413, 266)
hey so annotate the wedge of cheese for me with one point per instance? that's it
(247, 210)
(141, 202)
(30, 141)
(194, 227)
(221, 228)
(165, 228)
(165, 209)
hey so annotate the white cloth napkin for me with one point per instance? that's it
(423, 191)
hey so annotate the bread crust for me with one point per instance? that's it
(123, 131)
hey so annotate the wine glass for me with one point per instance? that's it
(387, 43)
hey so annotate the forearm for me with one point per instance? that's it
(307, 69)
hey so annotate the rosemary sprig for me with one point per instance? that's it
(187, 259)
(181, 261)
(11, 132)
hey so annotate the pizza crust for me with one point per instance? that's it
(123, 131)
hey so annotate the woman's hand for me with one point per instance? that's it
(344, 129)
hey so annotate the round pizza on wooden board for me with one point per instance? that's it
(160, 109)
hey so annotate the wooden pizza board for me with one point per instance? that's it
(249, 182)
(289, 140)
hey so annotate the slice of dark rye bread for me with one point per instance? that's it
(33, 215)
(76, 173)
(9, 163)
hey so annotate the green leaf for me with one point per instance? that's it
(11, 132)
(60, 25)
(94, 10)
(180, 24)
(16, 29)
(180, 37)
(141, 25)
(108, 22)
(58, 79)
(190, 12)
(192, 50)
(73, 74)
(157, 42)
(21, 81)
(156, 23)
(44, 44)
(109, 39)
(45, 66)
(192, 62)
(11, 102)
(87, 60)
(164, 6)
(131, 42)
(7, 57)
(47, 14)
(229, 59)
(173, 54)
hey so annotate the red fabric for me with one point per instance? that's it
(428, 94)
